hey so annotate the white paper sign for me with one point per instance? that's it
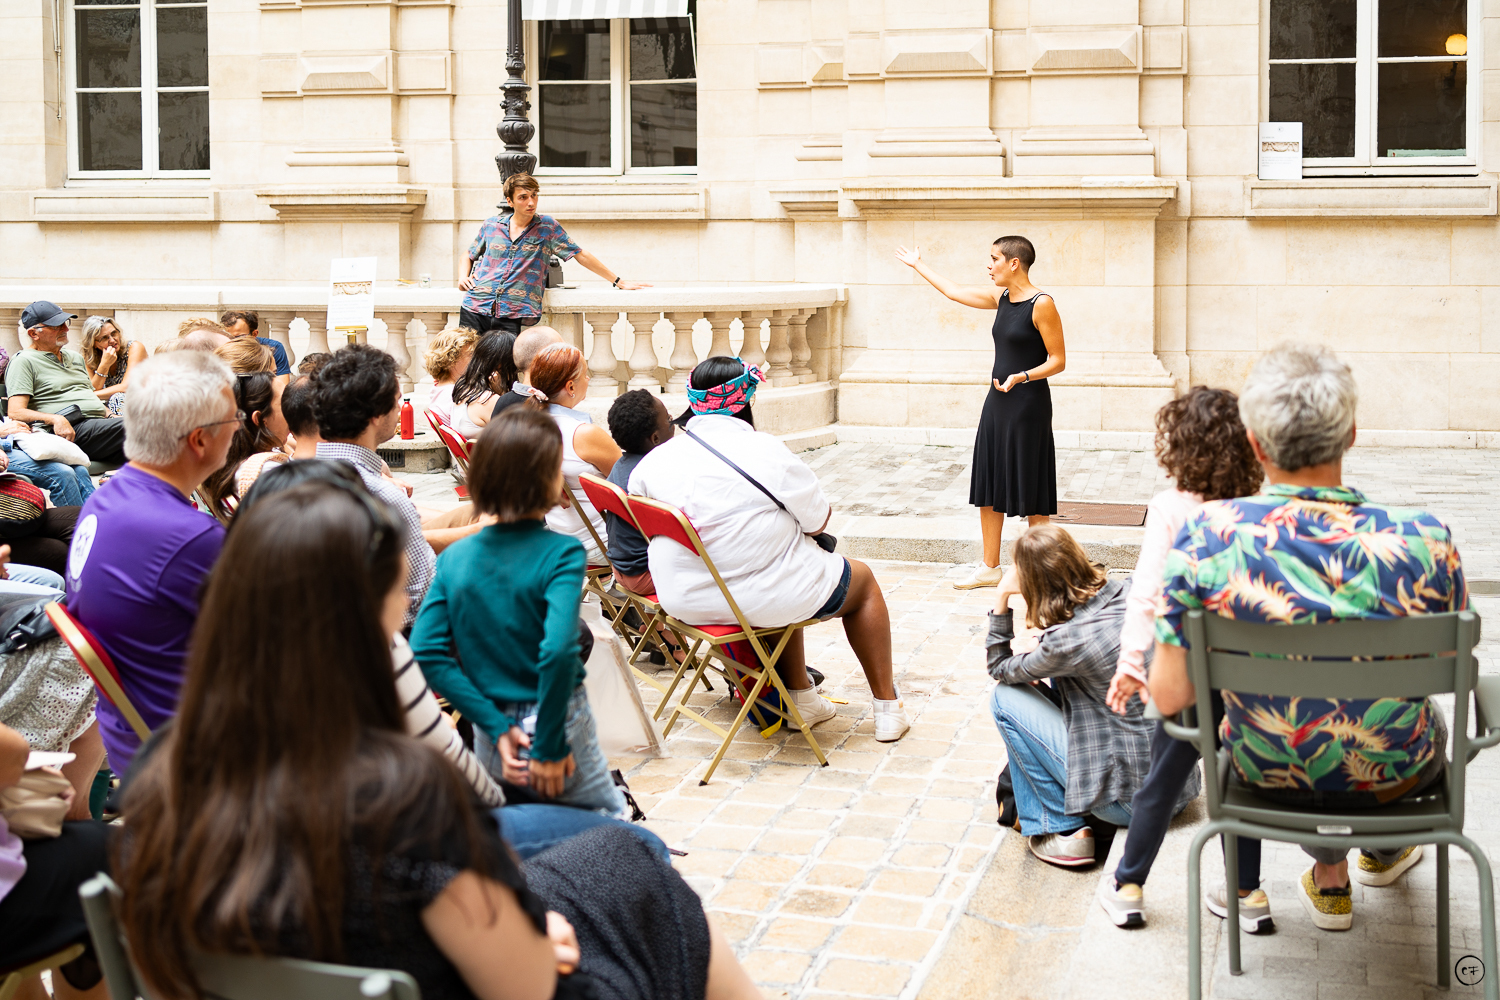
(351, 292)
(1281, 151)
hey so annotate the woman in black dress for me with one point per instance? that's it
(1015, 466)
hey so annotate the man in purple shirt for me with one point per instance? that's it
(142, 550)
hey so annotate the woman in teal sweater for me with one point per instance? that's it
(498, 632)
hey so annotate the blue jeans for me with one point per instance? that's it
(591, 786)
(1036, 738)
(532, 828)
(69, 485)
(30, 579)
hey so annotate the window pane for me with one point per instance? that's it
(664, 125)
(574, 120)
(661, 48)
(1312, 29)
(574, 50)
(182, 47)
(1321, 97)
(1422, 109)
(109, 131)
(182, 127)
(109, 48)
(1421, 27)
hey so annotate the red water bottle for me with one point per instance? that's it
(408, 421)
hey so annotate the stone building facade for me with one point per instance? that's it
(798, 142)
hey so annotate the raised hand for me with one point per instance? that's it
(909, 257)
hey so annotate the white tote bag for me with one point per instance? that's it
(625, 726)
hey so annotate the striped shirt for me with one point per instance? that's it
(424, 720)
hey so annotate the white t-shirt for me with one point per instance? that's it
(776, 573)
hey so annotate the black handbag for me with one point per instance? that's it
(824, 540)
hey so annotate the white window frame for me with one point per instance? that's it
(619, 103)
(150, 152)
(1365, 162)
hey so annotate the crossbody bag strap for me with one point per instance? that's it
(748, 478)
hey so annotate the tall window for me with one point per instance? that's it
(1375, 83)
(140, 79)
(617, 94)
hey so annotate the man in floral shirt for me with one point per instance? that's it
(1309, 549)
(506, 269)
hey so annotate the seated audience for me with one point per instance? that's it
(489, 372)
(447, 357)
(142, 550)
(498, 634)
(107, 357)
(259, 440)
(39, 543)
(245, 324)
(1201, 444)
(247, 356)
(48, 384)
(40, 912)
(762, 547)
(561, 381)
(529, 343)
(1070, 757)
(1298, 553)
(297, 407)
(68, 485)
(292, 758)
(638, 421)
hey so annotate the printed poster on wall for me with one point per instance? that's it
(351, 293)
(1281, 151)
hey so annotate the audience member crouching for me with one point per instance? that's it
(763, 547)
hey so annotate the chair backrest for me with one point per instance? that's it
(97, 663)
(1351, 659)
(588, 523)
(452, 440)
(606, 497)
(234, 977)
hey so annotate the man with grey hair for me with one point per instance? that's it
(49, 384)
(141, 549)
(1309, 549)
(527, 346)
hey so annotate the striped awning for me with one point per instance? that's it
(564, 10)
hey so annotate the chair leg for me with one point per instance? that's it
(1232, 899)
(1195, 912)
(1444, 934)
(1486, 913)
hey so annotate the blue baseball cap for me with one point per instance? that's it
(44, 313)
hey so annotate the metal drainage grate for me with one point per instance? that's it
(395, 459)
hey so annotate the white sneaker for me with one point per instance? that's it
(891, 722)
(814, 707)
(983, 576)
(1072, 850)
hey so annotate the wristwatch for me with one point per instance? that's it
(616, 282)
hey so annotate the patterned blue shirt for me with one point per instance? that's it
(509, 276)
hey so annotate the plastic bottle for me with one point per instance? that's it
(408, 421)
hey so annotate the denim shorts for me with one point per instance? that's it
(835, 603)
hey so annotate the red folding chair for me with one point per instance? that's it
(96, 662)
(457, 447)
(596, 574)
(711, 643)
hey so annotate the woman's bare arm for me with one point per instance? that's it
(596, 447)
(480, 927)
(979, 298)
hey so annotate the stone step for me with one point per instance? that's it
(957, 539)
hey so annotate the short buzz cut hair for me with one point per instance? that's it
(531, 343)
(521, 180)
(1017, 248)
(1299, 402)
(358, 384)
(514, 465)
(170, 396)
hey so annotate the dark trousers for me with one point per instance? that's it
(1172, 761)
(488, 324)
(101, 438)
(48, 547)
(43, 914)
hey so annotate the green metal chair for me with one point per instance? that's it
(234, 977)
(11, 979)
(1337, 660)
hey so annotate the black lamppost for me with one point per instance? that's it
(514, 129)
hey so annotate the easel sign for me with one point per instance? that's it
(1280, 151)
(351, 295)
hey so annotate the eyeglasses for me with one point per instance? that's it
(238, 418)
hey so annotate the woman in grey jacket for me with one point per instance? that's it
(1070, 755)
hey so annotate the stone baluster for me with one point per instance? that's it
(801, 349)
(779, 351)
(432, 325)
(10, 331)
(683, 356)
(602, 361)
(570, 325)
(719, 346)
(278, 327)
(317, 336)
(395, 344)
(643, 359)
(751, 351)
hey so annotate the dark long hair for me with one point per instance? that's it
(253, 394)
(283, 754)
(493, 354)
(716, 371)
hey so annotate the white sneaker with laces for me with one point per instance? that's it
(983, 576)
(813, 707)
(891, 722)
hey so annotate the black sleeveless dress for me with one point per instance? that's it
(1015, 465)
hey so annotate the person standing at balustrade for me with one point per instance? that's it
(505, 271)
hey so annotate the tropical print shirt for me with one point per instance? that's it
(510, 276)
(1310, 554)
